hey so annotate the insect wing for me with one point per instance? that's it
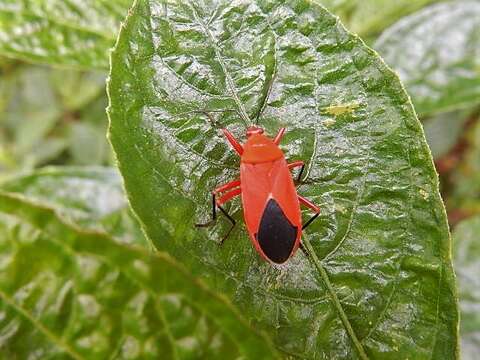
(271, 209)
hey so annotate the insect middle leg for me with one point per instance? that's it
(313, 207)
(297, 164)
(232, 189)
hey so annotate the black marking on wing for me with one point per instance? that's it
(276, 234)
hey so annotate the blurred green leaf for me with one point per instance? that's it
(465, 194)
(61, 32)
(52, 116)
(33, 110)
(369, 17)
(443, 131)
(467, 267)
(91, 197)
(46, 150)
(65, 293)
(436, 52)
(384, 286)
(87, 144)
(76, 88)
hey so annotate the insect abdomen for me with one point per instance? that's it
(276, 234)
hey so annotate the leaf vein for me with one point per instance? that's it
(188, 84)
(384, 310)
(228, 78)
(37, 324)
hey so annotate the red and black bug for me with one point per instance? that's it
(271, 205)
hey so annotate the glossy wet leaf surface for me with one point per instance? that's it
(81, 295)
(380, 282)
(466, 239)
(91, 197)
(436, 52)
(75, 33)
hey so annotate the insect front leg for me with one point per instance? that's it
(234, 142)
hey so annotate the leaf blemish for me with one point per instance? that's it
(329, 122)
(340, 208)
(340, 109)
(424, 194)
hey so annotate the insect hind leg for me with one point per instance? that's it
(218, 203)
(311, 206)
(232, 220)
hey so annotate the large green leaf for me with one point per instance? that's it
(467, 266)
(65, 293)
(91, 197)
(61, 32)
(378, 283)
(436, 52)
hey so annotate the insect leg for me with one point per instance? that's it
(235, 144)
(279, 136)
(227, 186)
(297, 164)
(228, 196)
(218, 190)
(232, 220)
(218, 203)
(214, 214)
(312, 206)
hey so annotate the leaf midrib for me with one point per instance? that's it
(321, 270)
(336, 302)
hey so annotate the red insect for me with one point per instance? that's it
(271, 205)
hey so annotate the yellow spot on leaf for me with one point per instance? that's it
(424, 194)
(340, 109)
(329, 122)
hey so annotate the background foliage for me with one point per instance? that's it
(65, 210)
